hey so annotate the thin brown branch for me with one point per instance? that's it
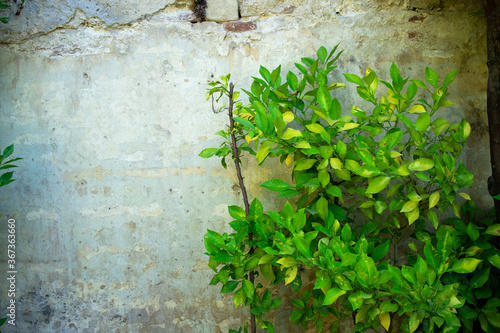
(234, 147)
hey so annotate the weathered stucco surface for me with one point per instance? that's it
(105, 100)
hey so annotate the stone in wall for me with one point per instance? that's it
(222, 10)
(425, 4)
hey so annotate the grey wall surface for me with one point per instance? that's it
(105, 101)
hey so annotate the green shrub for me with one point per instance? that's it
(363, 183)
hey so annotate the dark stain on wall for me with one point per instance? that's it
(199, 8)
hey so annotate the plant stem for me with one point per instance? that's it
(253, 326)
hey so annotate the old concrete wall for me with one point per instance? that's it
(105, 100)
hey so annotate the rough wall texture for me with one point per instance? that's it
(105, 100)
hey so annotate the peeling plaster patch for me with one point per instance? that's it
(91, 288)
(153, 210)
(99, 173)
(135, 157)
(201, 265)
(221, 210)
(87, 253)
(226, 324)
(41, 215)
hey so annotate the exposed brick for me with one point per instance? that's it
(416, 18)
(239, 26)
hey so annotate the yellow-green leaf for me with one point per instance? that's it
(315, 128)
(304, 164)
(348, 126)
(265, 258)
(455, 207)
(335, 163)
(402, 170)
(287, 262)
(262, 153)
(465, 196)
(302, 144)
(432, 216)
(288, 117)
(332, 295)
(434, 199)
(290, 275)
(291, 133)
(421, 164)
(385, 320)
(466, 265)
(493, 230)
(413, 215)
(409, 206)
(417, 108)
(378, 184)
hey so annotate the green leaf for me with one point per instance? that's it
(276, 185)
(256, 209)
(292, 81)
(332, 295)
(413, 322)
(209, 152)
(244, 122)
(480, 278)
(239, 297)
(432, 216)
(380, 251)
(395, 75)
(305, 164)
(248, 288)
(322, 208)
(302, 245)
(495, 260)
(7, 151)
(354, 79)
(346, 233)
(276, 303)
(223, 257)
(229, 287)
(324, 98)
(322, 53)
(493, 318)
(391, 139)
(236, 212)
(472, 231)
(431, 256)
(335, 191)
(356, 300)
(366, 271)
(378, 184)
(431, 76)
(450, 77)
(296, 315)
(265, 73)
(423, 122)
(466, 265)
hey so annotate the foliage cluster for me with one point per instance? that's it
(6, 161)
(364, 187)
